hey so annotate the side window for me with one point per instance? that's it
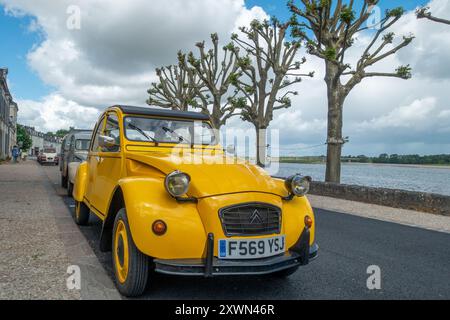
(94, 144)
(112, 130)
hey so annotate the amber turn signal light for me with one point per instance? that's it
(308, 221)
(159, 227)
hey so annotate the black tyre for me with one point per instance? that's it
(69, 189)
(81, 213)
(64, 181)
(131, 267)
(285, 273)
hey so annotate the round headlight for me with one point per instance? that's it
(298, 185)
(177, 183)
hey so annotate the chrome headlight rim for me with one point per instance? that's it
(293, 182)
(172, 175)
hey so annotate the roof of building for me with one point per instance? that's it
(163, 112)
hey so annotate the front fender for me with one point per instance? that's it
(146, 201)
(294, 212)
(81, 177)
(72, 171)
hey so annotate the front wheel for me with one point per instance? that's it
(81, 213)
(131, 267)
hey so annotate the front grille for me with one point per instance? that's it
(250, 219)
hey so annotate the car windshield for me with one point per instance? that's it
(169, 131)
(49, 150)
(82, 144)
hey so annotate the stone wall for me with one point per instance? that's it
(419, 201)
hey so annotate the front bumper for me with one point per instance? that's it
(300, 254)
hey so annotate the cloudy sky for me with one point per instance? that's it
(63, 77)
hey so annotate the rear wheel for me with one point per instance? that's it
(131, 267)
(64, 181)
(81, 213)
(70, 189)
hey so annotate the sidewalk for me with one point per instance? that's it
(39, 241)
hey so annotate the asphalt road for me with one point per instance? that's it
(414, 264)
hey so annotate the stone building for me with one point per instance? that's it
(8, 117)
(41, 140)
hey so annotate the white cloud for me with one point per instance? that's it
(415, 115)
(112, 58)
(429, 54)
(54, 112)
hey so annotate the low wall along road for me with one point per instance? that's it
(419, 201)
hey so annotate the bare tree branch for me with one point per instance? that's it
(176, 87)
(423, 13)
(268, 67)
(216, 68)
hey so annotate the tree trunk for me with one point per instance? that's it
(336, 98)
(261, 147)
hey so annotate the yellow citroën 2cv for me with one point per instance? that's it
(173, 202)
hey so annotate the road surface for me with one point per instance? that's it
(414, 264)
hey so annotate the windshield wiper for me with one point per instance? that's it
(180, 137)
(143, 133)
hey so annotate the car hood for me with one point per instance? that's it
(218, 174)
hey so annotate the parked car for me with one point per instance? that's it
(74, 150)
(48, 155)
(163, 212)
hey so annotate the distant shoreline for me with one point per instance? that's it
(431, 166)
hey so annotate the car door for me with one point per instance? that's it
(93, 159)
(108, 164)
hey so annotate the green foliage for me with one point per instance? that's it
(441, 159)
(23, 138)
(61, 133)
(234, 79)
(244, 62)
(249, 89)
(238, 103)
(194, 62)
(395, 13)
(330, 53)
(405, 72)
(347, 15)
(388, 37)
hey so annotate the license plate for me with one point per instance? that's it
(251, 248)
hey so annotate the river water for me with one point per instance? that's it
(414, 178)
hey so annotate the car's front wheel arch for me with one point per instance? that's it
(117, 203)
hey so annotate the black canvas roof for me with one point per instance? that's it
(163, 112)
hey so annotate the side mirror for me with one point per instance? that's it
(106, 142)
(231, 149)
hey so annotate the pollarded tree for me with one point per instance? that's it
(329, 28)
(424, 12)
(177, 86)
(215, 68)
(269, 68)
